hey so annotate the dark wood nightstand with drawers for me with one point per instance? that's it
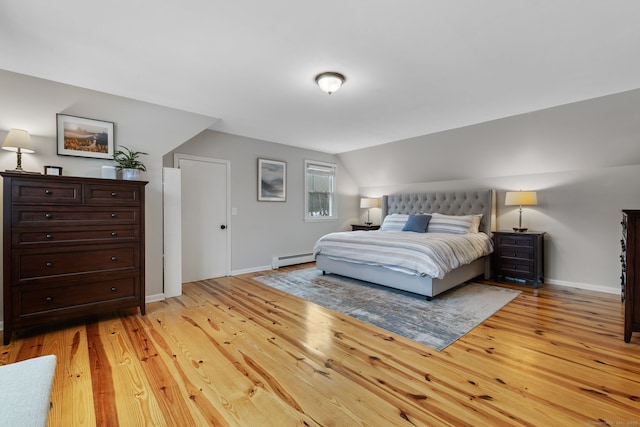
(519, 255)
(356, 227)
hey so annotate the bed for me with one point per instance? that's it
(479, 203)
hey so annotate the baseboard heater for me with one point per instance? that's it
(283, 261)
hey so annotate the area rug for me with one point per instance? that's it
(436, 323)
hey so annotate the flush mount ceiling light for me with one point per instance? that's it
(330, 81)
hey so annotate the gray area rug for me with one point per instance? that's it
(436, 323)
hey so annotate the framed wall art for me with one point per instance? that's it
(81, 137)
(272, 181)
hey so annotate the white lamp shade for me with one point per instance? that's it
(521, 198)
(330, 82)
(366, 203)
(18, 138)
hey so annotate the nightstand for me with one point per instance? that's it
(355, 227)
(519, 255)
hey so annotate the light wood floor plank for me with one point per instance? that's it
(234, 352)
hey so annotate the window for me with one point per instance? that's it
(320, 191)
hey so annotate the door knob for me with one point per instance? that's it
(222, 227)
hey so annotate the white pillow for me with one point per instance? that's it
(394, 222)
(475, 224)
(452, 224)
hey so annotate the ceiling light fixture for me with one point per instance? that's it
(330, 81)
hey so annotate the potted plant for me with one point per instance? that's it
(129, 163)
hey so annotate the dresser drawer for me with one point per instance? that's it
(523, 270)
(520, 241)
(30, 300)
(73, 261)
(111, 194)
(521, 253)
(73, 216)
(36, 236)
(24, 191)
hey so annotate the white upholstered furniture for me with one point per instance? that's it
(25, 392)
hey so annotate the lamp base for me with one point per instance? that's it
(519, 230)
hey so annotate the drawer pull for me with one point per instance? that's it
(113, 215)
(113, 258)
(114, 289)
(114, 234)
(48, 215)
(48, 192)
(48, 264)
(48, 299)
(48, 236)
(114, 194)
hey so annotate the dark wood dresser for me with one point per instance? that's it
(630, 277)
(519, 255)
(72, 247)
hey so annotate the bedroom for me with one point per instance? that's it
(580, 156)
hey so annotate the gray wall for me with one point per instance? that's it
(582, 158)
(261, 230)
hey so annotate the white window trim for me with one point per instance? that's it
(333, 217)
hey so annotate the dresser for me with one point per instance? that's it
(630, 278)
(72, 247)
(519, 255)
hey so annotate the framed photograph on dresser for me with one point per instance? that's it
(53, 170)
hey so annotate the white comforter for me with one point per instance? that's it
(422, 254)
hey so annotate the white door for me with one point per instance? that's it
(205, 232)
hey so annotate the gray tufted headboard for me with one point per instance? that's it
(446, 202)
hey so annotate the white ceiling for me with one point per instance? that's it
(413, 67)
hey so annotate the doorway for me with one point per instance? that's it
(206, 238)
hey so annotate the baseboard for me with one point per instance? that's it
(154, 298)
(284, 261)
(583, 286)
(251, 270)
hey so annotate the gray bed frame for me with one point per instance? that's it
(448, 203)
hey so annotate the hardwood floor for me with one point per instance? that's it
(234, 352)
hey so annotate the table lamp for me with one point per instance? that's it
(520, 198)
(368, 203)
(18, 140)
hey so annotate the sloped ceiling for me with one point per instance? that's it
(413, 67)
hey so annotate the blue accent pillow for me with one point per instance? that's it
(417, 223)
